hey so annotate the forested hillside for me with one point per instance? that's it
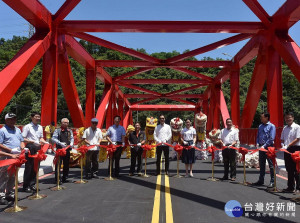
(28, 97)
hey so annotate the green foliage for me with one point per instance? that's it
(28, 97)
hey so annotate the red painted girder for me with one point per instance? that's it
(140, 89)
(193, 73)
(209, 47)
(223, 75)
(248, 52)
(139, 63)
(49, 86)
(121, 94)
(223, 108)
(132, 73)
(13, 75)
(235, 96)
(183, 101)
(163, 96)
(121, 109)
(70, 91)
(274, 87)
(162, 81)
(90, 96)
(170, 107)
(102, 109)
(127, 118)
(287, 15)
(144, 100)
(259, 11)
(290, 53)
(113, 46)
(207, 92)
(161, 26)
(78, 53)
(64, 10)
(32, 11)
(103, 75)
(254, 91)
(184, 89)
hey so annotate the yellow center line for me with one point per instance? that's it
(156, 205)
(169, 212)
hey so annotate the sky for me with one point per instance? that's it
(167, 10)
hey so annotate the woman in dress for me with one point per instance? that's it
(188, 137)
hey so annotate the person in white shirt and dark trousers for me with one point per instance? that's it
(33, 136)
(188, 137)
(162, 134)
(290, 140)
(92, 136)
(229, 137)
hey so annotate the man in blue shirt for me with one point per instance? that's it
(116, 136)
(11, 143)
(265, 138)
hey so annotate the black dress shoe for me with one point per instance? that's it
(10, 197)
(271, 185)
(258, 183)
(3, 201)
(224, 178)
(65, 180)
(27, 190)
(95, 176)
(167, 173)
(33, 188)
(288, 190)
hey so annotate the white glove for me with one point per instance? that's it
(284, 147)
(16, 150)
(123, 144)
(185, 143)
(193, 144)
(139, 144)
(63, 144)
(114, 143)
(257, 146)
(26, 150)
(37, 143)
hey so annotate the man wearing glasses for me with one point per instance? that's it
(92, 136)
(162, 134)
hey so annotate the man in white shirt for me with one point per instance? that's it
(290, 140)
(229, 137)
(33, 136)
(162, 134)
(92, 136)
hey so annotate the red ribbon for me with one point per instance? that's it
(271, 154)
(40, 156)
(147, 148)
(211, 150)
(60, 152)
(296, 157)
(83, 149)
(18, 163)
(111, 148)
(242, 151)
(178, 148)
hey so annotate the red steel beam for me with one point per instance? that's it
(235, 96)
(32, 11)
(163, 96)
(274, 87)
(259, 11)
(64, 10)
(49, 86)
(170, 107)
(20, 66)
(70, 91)
(193, 73)
(78, 53)
(223, 75)
(161, 26)
(102, 109)
(183, 101)
(209, 47)
(254, 91)
(162, 81)
(140, 89)
(113, 46)
(103, 75)
(121, 94)
(184, 89)
(248, 52)
(132, 73)
(287, 15)
(90, 96)
(223, 108)
(144, 100)
(139, 63)
(290, 53)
